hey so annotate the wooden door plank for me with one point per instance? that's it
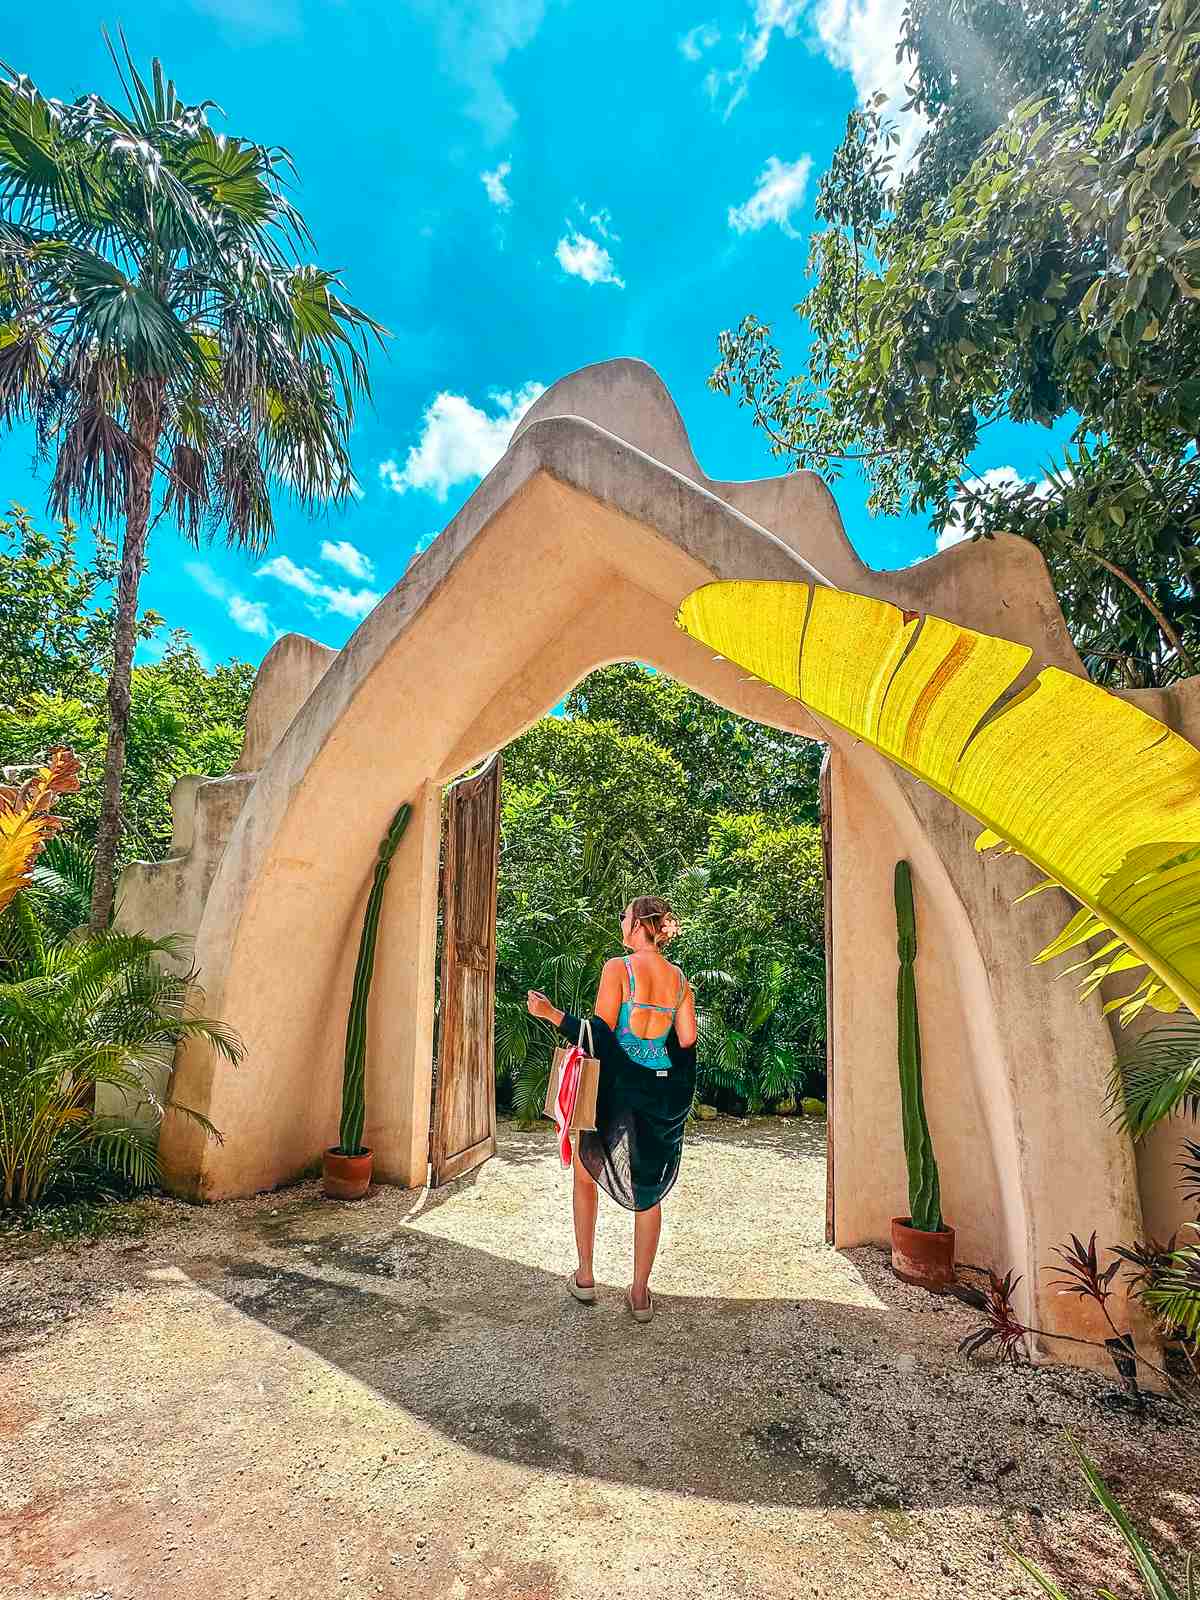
(463, 1130)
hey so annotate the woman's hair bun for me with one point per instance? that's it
(656, 916)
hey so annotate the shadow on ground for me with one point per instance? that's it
(806, 1402)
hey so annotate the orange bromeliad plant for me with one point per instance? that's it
(26, 822)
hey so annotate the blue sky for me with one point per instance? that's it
(515, 188)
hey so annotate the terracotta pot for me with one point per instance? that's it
(346, 1177)
(926, 1259)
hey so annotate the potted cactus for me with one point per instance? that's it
(347, 1164)
(922, 1244)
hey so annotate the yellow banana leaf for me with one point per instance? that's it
(1104, 798)
(25, 820)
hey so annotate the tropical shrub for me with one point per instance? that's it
(752, 914)
(101, 1009)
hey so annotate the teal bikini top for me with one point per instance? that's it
(647, 1052)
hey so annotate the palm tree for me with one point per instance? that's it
(159, 328)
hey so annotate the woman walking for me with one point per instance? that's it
(645, 1037)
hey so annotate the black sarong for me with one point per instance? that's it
(634, 1152)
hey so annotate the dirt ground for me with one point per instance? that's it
(288, 1398)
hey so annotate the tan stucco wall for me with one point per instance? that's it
(577, 550)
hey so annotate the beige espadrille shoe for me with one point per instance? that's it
(643, 1313)
(588, 1295)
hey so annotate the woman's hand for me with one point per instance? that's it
(539, 1005)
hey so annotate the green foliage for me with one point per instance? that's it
(1039, 261)
(101, 1009)
(56, 628)
(86, 1200)
(643, 787)
(55, 649)
(924, 1196)
(354, 1070)
(1157, 1076)
(752, 913)
(1172, 1295)
(728, 762)
(1155, 1584)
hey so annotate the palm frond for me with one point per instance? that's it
(937, 700)
(129, 1150)
(1157, 1076)
(1174, 1295)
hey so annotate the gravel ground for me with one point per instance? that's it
(288, 1397)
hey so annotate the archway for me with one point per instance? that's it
(575, 551)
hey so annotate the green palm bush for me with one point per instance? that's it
(101, 1009)
(61, 885)
(1158, 1076)
(1155, 1078)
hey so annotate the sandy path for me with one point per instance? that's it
(285, 1397)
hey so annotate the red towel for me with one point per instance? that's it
(564, 1101)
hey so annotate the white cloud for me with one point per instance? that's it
(601, 220)
(994, 478)
(323, 597)
(770, 17)
(856, 36)
(475, 38)
(779, 191)
(860, 37)
(697, 40)
(458, 441)
(493, 182)
(351, 560)
(251, 616)
(584, 257)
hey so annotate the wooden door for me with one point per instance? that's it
(827, 858)
(463, 1125)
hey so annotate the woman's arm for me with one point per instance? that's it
(539, 1005)
(685, 1018)
(608, 998)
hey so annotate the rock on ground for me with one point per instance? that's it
(290, 1397)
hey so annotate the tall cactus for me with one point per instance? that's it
(924, 1195)
(354, 1073)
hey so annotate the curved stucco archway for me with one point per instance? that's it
(575, 551)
